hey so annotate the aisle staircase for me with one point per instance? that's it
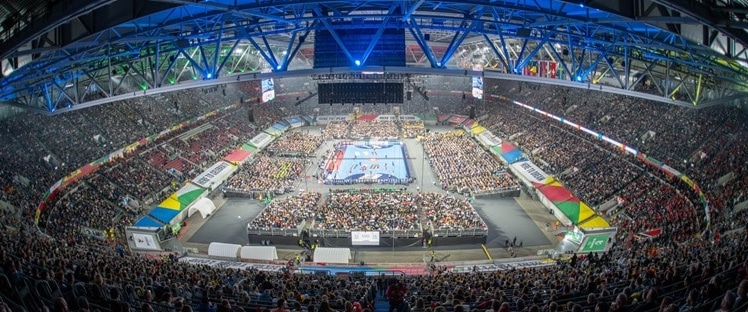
(381, 304)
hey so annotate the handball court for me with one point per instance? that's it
(506, 219)
(368, 160)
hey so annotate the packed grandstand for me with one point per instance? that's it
(696, 261)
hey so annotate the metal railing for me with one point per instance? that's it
(415, 233)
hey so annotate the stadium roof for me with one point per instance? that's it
(63, 55)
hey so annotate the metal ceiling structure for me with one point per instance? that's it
(64, 55)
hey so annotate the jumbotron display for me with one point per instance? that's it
(360, 93)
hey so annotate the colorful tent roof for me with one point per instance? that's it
(595, 222)
(571, 206)
(477, 129)
(238, 156)
(249, 147)
(172, 206)
(146, 221)
(510, 153)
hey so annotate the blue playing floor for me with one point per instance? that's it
(371, 160)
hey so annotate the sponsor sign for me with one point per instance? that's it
(333, 118)
(386, 117)
(214, 175)
(261, 140)
(295, 122)
(493, 267)
(361, 238)
(488, 139)
(595, 243)
(409, 117)
(280, 126)
(529, 171)
(145, 241)
(232, 265)
(94, 233)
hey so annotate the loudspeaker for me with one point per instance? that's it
(183, 43)
(408, 95)
(472, 112)
(523, 32)
(427, 37)
(251, 115)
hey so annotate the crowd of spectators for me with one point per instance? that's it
(598, 175)
(82, 207)
(371, 210)
(667, 132)
(647, 275)
(463, 166)
(296, 143)
(412, 129)
(287, 212)
(698, 273)
(144, 181)
(109, 191)
(360, 129)
(449, 212)
(368, 211)
(373, 129)
(336, 130)
(266, 173)
(691, 141)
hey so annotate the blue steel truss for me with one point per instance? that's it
(97, 52)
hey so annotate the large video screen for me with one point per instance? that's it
(268, 90)
(478, 84)
(360, 93)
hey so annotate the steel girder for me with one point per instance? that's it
(172, 44)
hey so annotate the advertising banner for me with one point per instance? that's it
(145, 241)
(488, 139)
(409, 117)
(361, 238)
(274, 132)
(281, 126)
(386, 118)
(261, 140)
(529, 171)
(233, 264)
(493, 267)
(215, 175)
(552, 70)
(268, 90)
(323, 120)
(295, 122)
(595, 243)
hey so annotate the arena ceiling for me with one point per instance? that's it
(63, 55)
